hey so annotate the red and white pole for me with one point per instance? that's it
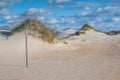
(26, 46)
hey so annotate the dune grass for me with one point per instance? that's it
(88, 27)
(36, 29)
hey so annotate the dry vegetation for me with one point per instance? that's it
(36, 29)
(88, 27)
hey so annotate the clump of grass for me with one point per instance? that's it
(88, 27)
(36, 29)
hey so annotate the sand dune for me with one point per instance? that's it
(94, 56)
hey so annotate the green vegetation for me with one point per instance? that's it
(88, 27)
(85, 28)
(36, 29)
(114, 32)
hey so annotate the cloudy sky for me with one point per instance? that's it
(62, 14)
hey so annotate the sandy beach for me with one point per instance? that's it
(93, 56)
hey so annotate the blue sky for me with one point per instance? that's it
(62, 14)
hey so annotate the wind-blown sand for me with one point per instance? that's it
(94, 56)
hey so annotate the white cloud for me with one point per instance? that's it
(84, 5)
(36, 12)
(99, 19)
(84, 13)
(4, 12)
(58, 1)
(41, 18)
(10, 17)
(116, 19)
(103, 18)
(108, 7)
(87, 8)
(99, 9)
(106, 12)
(53, 21)
(6, 3)
(61, 6)
(72, 21)
(90, 4)
(62, 1)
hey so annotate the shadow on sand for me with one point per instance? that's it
(10, 65)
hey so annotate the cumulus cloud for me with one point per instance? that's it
(58, 1)
(36, 12)
(93, 13)
(12, 19)
(85, 5)
(106, 12)
(116, 19)
(87, 8)
(7, 3)
(61, 6)
(104, 18)
(4, 12)
(53, 21)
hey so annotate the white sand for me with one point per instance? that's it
(94, 56)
